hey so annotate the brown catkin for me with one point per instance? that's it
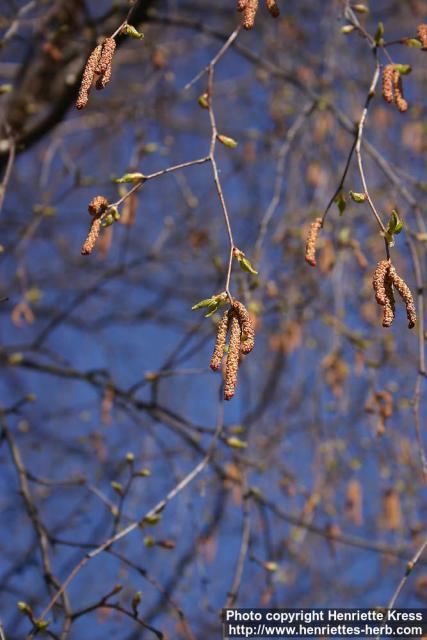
(249, 13)
(92, 237)
(246, 326)
(241, 5)
(310, 247)
(389, 307)
(388, 72)
(88, 76)
(422, 35)
(221, 337)
(232, 364)
(378, 282)
(106, 58)
(406, 295)
(273, 8)
(97, 205)
(400, 101)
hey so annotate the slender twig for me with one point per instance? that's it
(410, 566)
(159, 507)
(215, 59)
(217, 180)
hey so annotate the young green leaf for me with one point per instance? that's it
(412, 42)
(246, 265)
(131, 177)
(128, 30)
(357, 197)
(395, 224)
(403, 69)
(213, 308)
(340, 202)
(202, 304)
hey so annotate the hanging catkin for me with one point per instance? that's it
(233, 355)
(221, 337)
(106, 57)
(389, 306)
(310, 247)
(88, 76)
(378, 281)
(388, 72)
(400, 101)
(249, 13)
(92, 237)
(246, 326)
(406, 295)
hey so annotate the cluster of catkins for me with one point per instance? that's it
(99, 64)
(384, 281)
(97, 207)
(392, 87)
(238, 323)
(249, 9)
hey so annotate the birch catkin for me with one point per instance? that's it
(249, 12)
(400, 101)
(406, 295)
(388, 72)
(97, 206)
(246, 326)
(232, 364)
(389, 306)
(88, 76)
(92, 237)
(221, 337)
(310, 247)
(378, 281)
(106, 57)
